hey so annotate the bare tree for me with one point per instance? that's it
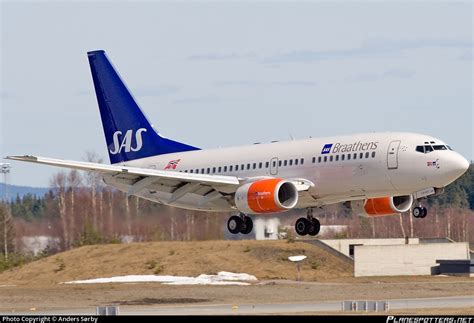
(401, 225)
(58, 182)
(373, 227)
(411, 223)
(73, 182)
(128, 215)
(111, 213)
(94, 181)
(6, 222)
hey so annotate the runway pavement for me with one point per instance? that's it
(277, 308)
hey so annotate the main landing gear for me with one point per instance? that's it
(308, 225)
(419, 212)
(240, 224)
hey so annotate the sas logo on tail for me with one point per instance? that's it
(125, 142)
(326, 149)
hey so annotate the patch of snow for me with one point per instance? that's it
(222, 278)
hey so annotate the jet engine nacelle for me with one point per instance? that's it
(381, 206)
(266, 196)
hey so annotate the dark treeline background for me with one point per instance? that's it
(79, 209)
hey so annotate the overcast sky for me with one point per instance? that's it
(221, 74)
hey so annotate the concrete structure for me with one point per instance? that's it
(411, 259)
(346, 246)
(332, 229)
(456, 267)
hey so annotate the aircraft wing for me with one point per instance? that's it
(210, 187)
(116, 169)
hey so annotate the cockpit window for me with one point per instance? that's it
(420, 149)
(429, 148)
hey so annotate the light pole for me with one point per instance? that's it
(5, 170)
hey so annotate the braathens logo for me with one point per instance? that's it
(343, 148)
(326, 149)
(125, 142)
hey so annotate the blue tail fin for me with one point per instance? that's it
(128, 133)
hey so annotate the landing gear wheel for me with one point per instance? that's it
(315, 227)
(234, 224)
(302, 226)
(418, 212)
(424, 213)
(247, 225)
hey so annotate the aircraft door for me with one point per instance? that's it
(392, 154)
(274, 166)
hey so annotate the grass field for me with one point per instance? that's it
(263, 259)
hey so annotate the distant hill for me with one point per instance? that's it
(14, 190)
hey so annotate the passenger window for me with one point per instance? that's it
(213, 170)
(267, 164)
(342, 156)
(285, 163)
(319, 159)
(296, 162)
(367, 155)
(361, 155)
(254, 165)
(248, 166)
(279, 163)
(337, 157)
(202, 171)
(373, 154)
(314, 160)
(220, 169)
(291, 162)
(325, 158)
(208, 170)
(230, 168)
(330, 158)
(260, 165)
(302, 161)
(191, 171)
(225, 169)
(242, 167)
(355, 155)
(186, 171)
(236, 168)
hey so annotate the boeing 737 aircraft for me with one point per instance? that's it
(377, 174)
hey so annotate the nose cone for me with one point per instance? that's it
(458, 165)
(462, 164)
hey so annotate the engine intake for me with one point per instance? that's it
(266, 196)
(381, 206)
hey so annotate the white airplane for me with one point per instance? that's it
(377, 174)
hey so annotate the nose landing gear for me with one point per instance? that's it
(240, 224)
(419, 212)
(308, 225)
